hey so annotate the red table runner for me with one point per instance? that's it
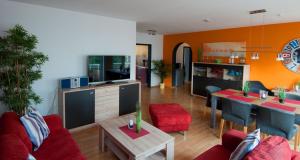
(132, 132)
(241, 98)
(253, 94)
(292, 101)
(278, 106)
(226, 92)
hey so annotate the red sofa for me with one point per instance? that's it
(272, 148)
(16, 145)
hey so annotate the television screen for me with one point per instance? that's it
(108, 68)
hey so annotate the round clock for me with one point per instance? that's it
(291, 55)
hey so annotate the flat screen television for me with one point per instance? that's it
(105, 68)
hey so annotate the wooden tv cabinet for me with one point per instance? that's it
(87, 106)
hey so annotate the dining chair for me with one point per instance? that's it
(297, 116)
(255, 86)
(236, 112)
(209, 91)
(277, 122)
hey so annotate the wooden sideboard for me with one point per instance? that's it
(225, 76)
(82, 107)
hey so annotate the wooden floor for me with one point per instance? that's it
(200, 136)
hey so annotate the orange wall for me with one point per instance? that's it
(269, 71)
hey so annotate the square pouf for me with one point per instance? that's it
(170, 117)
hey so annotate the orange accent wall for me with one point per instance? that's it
(267, 70)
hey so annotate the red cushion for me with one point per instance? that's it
(12, 148)
(10, 124)
(59, 145)
(170, 115)
(275, 148)
(217, 152)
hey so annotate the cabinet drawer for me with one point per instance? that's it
(103, 99)
(107, 91)
(107, 106)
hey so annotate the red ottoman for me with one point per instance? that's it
(170, 117)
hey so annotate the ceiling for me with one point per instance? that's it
(179, 16)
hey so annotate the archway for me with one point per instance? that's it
(181, 64)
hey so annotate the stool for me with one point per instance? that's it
(170, 117)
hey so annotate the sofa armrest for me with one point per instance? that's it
(232, 138)
(54, 122)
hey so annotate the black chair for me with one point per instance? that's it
(277, 122)
(209, 90)
(255, 86)
(236, 112)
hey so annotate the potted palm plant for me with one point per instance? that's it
(20, 66)
(160, 69)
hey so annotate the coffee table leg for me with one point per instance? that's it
(102, 140)
(170, 150)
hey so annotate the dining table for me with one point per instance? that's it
(270, 102)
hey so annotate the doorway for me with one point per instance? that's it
(143, 63)
(181, 64)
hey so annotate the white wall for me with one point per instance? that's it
(157, 50)
(67, 37)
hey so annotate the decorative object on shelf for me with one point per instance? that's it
(218, 61)
(231, 59)
(138, 118)
(200, 55)
(215, 72)
(281, 95)
(20, 66)
(255, 56)
(242, 60)
(161, 69)
(291, 55)
(246, 88)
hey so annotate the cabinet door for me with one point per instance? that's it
(79, 108)
(106, 103)
(129, 97)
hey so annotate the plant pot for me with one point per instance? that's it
(281, 100)
(162, 86)
(246, 94)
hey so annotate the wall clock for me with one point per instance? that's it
(291, 55)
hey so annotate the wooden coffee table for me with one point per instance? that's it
(155, 145)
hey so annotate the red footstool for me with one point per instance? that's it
(170, 117)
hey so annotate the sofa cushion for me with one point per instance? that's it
(246, 146)
(59, 146)
(10, 124)
(169, 114)
(275, 148)
(217, 152)
(35, 126)
(12, 148)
